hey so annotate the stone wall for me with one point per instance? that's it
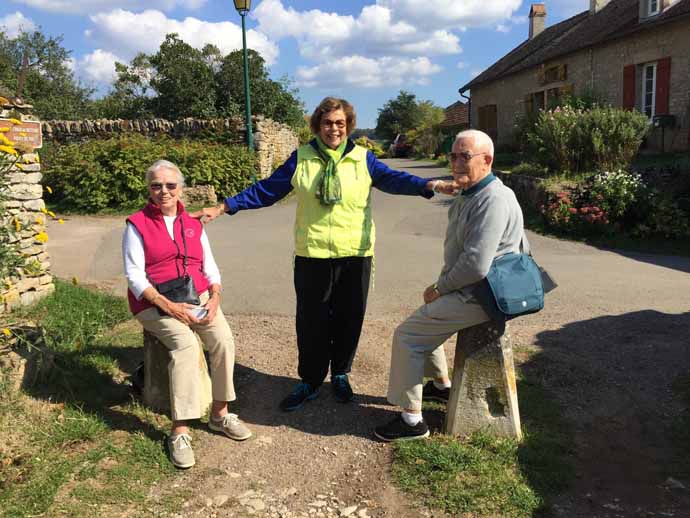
(273, 141)
(25, 208)
(601, 69)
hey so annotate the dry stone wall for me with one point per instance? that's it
(26, 210)
(273, 141)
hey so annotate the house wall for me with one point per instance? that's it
(601, 69)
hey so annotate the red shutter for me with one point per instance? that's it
(663, 85)
(629, 87)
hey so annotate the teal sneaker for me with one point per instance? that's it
(302, 393)
(341, 388)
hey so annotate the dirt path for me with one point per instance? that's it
(613, 338)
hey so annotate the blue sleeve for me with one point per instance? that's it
(395, 182)
(267, 191)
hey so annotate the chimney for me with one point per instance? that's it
(597, 5)
(537, 19)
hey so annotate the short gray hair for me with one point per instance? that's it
(164, 164)
(479, 137)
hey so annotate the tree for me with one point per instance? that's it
(274, 99)
(398, 115)
(182, 80)
(129, 97)
(50, 84)
(426, 137)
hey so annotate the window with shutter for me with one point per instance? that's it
(663, 85)
(629, 87)
(648, 89)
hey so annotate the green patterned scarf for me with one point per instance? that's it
(328, 191)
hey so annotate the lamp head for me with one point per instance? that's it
(243, 6)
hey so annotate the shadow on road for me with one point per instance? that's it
(260, 393)
(613, 376)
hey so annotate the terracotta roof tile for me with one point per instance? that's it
(456, 115)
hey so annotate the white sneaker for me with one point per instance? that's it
(231, 426)
(181, 453)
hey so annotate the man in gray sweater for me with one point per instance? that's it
(484, 222)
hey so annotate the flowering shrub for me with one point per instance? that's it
(109, 174)
(616, 202)
(567, 139)
(10, 258)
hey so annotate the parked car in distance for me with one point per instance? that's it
(399, 148)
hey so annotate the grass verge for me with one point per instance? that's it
(489, 476)
(74, 443)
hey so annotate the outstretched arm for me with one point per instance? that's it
(261, 194)
(392, 181)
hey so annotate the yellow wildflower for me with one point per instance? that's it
(39, 220)
(4, 140)
(75, 281)
(49, 189)
(17, 225)
(22, 134)
(15, 121)
(51, 214)
(41, 237)
(4, 100)
(4, 130)
(44, 210)
(6, 331)
(8, 149)
(61, 221)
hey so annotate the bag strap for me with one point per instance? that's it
(184, 244)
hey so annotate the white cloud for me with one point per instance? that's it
(98, 66)
(502, 28)
(91, 6)
(364, 72)
(144, 32)
(13, 24)
(323, 36)
(449, 14)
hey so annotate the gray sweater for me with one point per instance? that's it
(482, 225)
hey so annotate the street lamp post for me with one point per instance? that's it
(243, 7)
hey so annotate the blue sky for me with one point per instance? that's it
(362, 50)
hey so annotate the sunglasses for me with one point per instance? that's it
(337, 124)
(156, 186)
(464, 155)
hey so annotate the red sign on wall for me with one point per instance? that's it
(27, 133)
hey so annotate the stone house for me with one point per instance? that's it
(456, 118)
(633, 53)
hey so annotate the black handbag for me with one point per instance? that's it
(180, 289)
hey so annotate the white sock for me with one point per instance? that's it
(440, 385)
(411, 419)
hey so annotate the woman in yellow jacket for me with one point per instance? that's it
(334, 241)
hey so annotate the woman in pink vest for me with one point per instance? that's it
(162, 242)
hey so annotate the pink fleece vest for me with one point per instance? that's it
(162, 254)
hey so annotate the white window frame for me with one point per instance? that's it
(644, 106)
(651, 10)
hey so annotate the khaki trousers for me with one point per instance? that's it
(418, 346)
(183, 369)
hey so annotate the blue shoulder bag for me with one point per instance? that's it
(513, 287)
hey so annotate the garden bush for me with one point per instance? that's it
(371, 145)
(569, 140)
(102, 175)
(616, 202)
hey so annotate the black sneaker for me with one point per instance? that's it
(431, 393)
(302, 393)
(342, 388)
(399, 430)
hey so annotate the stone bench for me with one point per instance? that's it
(484, 390)
(156, 393)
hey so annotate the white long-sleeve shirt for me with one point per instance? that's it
(135, 261)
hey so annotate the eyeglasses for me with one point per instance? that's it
(338, 124)
(464, 155)
(156, 186)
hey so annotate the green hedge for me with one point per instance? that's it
(568, 140)
(108, 175)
